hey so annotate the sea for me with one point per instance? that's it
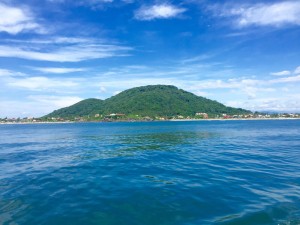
(151, 173)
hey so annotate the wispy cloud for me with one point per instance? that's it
(160, 11)
(10, 73)
(289, 103)
(297, 70)
(286, 79)
(85, 2)
(35, 105)
(242, 83)
(64, 50)
(42, 83)
(245, 92)
(55, 100)
(276, 14)
(198, 58)
(15, 20)
(281, 73)
(244, 86)
(93, 4)
(287, 72)
(58, 70)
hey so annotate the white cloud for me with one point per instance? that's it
(54, 40)
(41, 83)
(281, 73)
(243, 87)
(93, 4)
(83, 2)
(198, 58)
(15, 20)
(64, 50)
(276, 104)
(286, 79)
(103, 89)
(201, 93)
(35, 105)
(268, 14)
(55, 101)
(249, 93)
(287, 72)
(227, 84)
(58, 70)
(162, 11)
(10, 73)
(116, 92)
(131, 82)
(297, 70)
(99, 1)
(137, 67)
(6, 73)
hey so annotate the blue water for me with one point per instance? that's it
(151, 173)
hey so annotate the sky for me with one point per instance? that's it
(54, 53)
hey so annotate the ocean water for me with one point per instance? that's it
(151, 173)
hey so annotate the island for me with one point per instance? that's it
(149, 103)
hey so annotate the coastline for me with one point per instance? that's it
(171, 120)
(238, 119)
(12, 123)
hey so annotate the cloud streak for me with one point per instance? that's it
(281, 73)
(58, 70)
(287, 72)
(242, 92)
(9, 73)
(287, 79)
(36, 105)
(276, 14)
(41, 83)
(277, 104)
(54, 100)
(297, 70)
(65, 50)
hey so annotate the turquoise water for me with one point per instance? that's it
(156, 173)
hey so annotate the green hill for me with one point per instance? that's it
(152, 100)
(82, 108)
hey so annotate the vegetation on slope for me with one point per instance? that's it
(82, 108)
(152, 100)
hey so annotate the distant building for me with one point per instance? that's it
(115, 115)
(204, 115)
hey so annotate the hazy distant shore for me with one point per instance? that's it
(220, 119)
(171, 120)
(40, 122)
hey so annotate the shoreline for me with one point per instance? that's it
(11, 123)
(171, 120)
(232, 119)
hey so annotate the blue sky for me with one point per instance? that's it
(54, 53)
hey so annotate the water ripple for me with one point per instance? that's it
(169, 173)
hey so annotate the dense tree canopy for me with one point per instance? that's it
(152, 100)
